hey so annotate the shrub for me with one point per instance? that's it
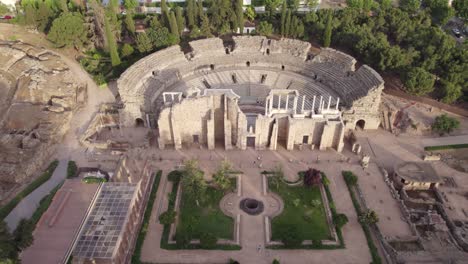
(183, 240)
(232, 261)
(71, 169)
(290, 236)
(312, 177)
(208, 240)
(23, 234)
(92, 179)
(296, 202)
(174, 176)
(369, 217)
(167, 217)
(275, 261)
(444, 124)
(340, 220)
(350, 178)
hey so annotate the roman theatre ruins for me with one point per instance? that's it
(250, 92)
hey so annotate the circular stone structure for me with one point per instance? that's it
(250, 91)
(251, 206)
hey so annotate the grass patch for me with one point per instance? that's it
(144, 227)
(6, 209)
(174, 177)
(44, 205)
(206, 218)
(444, 147)
(365, 227)
(303, 208)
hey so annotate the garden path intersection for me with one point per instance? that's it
(252, 231)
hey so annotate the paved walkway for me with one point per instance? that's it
(28, 205)
(441, 141)
(252, 227)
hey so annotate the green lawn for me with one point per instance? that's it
(206, 218)
(309, 219)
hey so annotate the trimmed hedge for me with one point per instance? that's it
(72, 169)
(6, 209)
(457, 146)
(92, 179)
(44, 205)
(144, 227)
(370, 242)
(175, 176)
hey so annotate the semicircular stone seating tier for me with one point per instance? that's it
(278, 64)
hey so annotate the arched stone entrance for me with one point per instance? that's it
(139, 122)
(360, 124)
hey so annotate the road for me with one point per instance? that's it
(28, 205)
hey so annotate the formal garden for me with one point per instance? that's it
(303, 222)
(194, 218)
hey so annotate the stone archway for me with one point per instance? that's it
(139, 122)
(360, 124)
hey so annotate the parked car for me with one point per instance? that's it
(6, 17)
(457, 33)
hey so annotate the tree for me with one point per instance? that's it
(327, 35)
(180, 20)
(410, 6)
(444, 124)
(127, 50)
(205, 29)
(173, 24)
(418, 81)
(350, 178)
(283, 18)
(250, 13)
(386, 4)
(143, 42)
(191, 16)
(265, 28)
(369, 217)
(440, 11)
(30, 15)
(312, 177)
(68, 30)
(23, 234)
(208, 240)
(193, 183)
(43, 16)
(461, 8)
(287, 26)
(129, 22)
(112, 44)
(161, 37)
(340, 220)
(165, 12)
(221, 177)
(200, 12)
(240, 15)
(130, 5)
(4, 9)
(270, 6)
(167, 217)
(451, 92)
(275, 261)
(7, 245)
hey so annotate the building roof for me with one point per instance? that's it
(100, 234)
(417, 172)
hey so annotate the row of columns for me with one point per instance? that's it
(270, 100)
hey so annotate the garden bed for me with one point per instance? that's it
(193, 221)
(303, 209)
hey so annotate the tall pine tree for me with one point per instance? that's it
(240, 15)
(283, 18)
(327, 34)
(180, 20)
(191, 15)
(173, 24)
(112, 43)
(287, 26)
(205, 28)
